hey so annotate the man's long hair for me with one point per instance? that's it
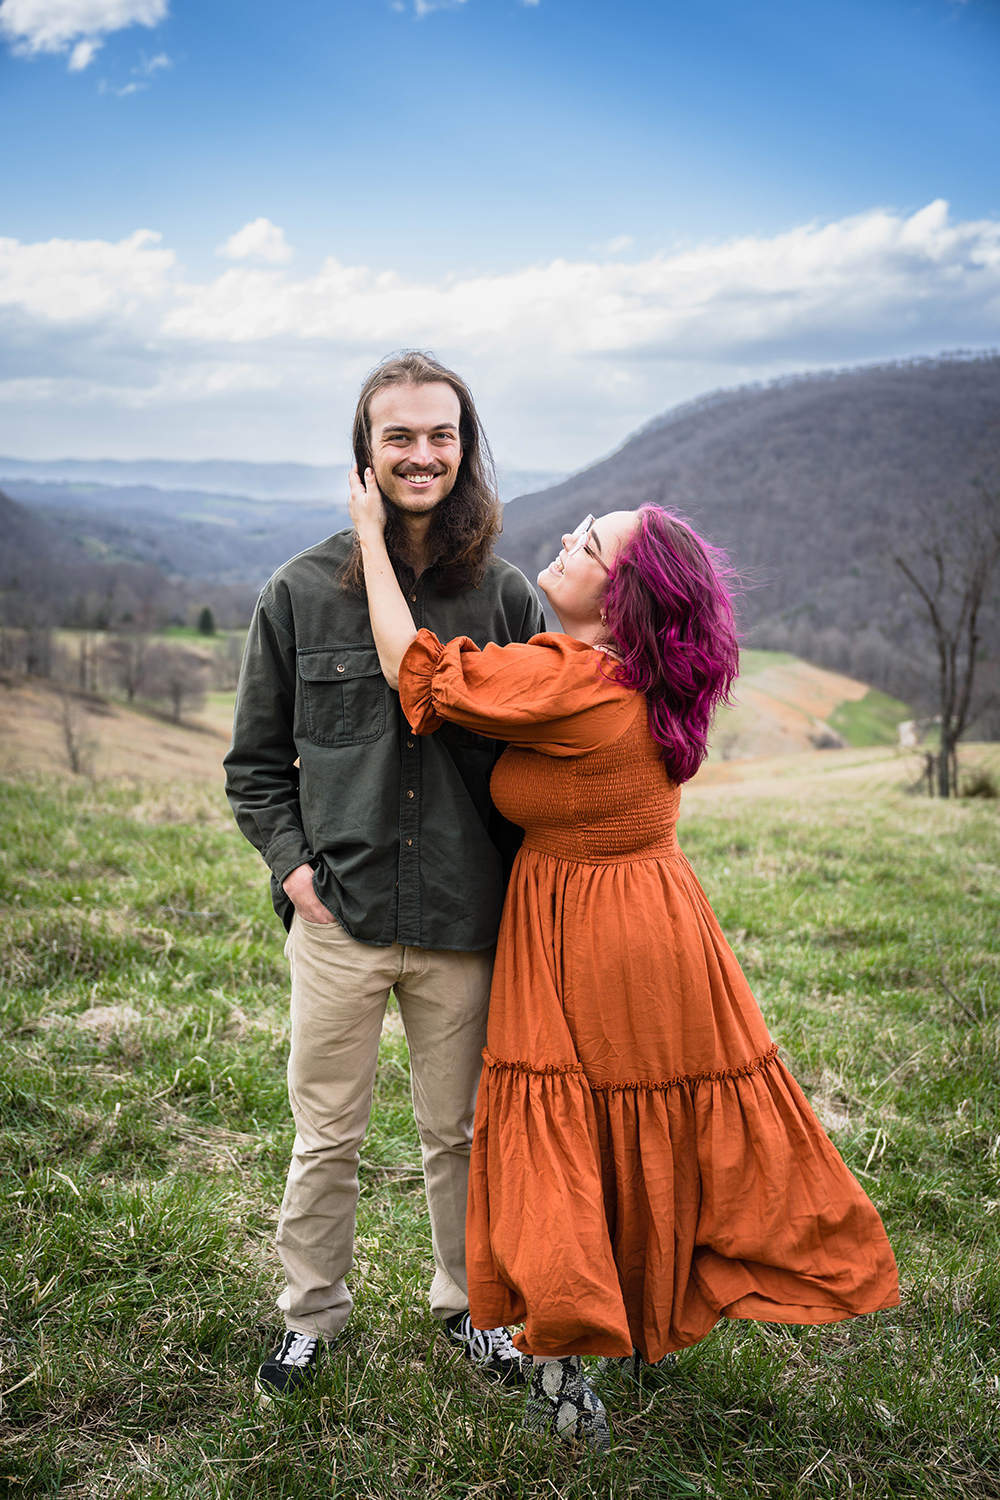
(463, 527)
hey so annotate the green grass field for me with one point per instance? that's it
(144, 1134)
(871, 720)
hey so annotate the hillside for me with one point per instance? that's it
(217, 538)
(118, 743)
(43, 570)
(24, 537)
(56, 570)
(783, 708)
(803, 482)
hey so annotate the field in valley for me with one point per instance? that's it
(144, 1130)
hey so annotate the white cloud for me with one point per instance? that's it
(83, 55)
(104, 87)
(874, 270)
(68, 281)
(150, 65)
(258, 240)
(34, 26)
(619, 243)
(566, 357)
(424, 7)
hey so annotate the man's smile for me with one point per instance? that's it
(418, 479)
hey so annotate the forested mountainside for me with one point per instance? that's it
(219, 539)
(52, 576)
(807, 483)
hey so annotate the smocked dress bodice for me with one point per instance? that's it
(613, 803)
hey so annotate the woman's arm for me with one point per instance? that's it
(548, 695)
(392, 623)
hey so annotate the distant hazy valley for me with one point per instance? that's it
(224, 523)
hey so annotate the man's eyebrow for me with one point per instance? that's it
(404, 427)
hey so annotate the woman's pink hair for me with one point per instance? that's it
(670, 617)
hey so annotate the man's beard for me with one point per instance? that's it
(397, 542)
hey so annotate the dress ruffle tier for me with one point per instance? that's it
(643, 1162)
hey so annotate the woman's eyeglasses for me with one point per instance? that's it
(581, 538)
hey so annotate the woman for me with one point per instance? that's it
(643, 1163)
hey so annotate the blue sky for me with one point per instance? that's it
(594, 210)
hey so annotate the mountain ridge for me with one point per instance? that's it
(238, 478)
(805, 483)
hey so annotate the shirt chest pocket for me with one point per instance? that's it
(343, 694)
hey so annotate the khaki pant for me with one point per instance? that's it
(340, 988)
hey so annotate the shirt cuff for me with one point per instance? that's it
(286, 854)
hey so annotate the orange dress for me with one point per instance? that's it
(643, 1163)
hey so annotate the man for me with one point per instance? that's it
(382, 865)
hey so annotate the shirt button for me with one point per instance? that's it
(408, 843)
(413, 598)
(409, 744)
(340, 667)
(409, 794)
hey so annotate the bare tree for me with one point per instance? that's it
(125, 659)
(39, 652)
(78, 744)
(88, 652)
(953, 567)
(177, 674)
(226, 662)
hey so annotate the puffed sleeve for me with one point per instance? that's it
(553, 694)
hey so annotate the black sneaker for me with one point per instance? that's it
(490, 1350)
(289, 1368)
(634, 1367)
(561, 1401)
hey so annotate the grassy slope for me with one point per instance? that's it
(782, 701)
(144, 1131)
(871, 720)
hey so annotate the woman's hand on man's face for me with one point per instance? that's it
(366, 504)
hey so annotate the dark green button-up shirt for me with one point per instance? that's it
(395, 824)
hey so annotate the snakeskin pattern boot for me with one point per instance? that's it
(561, 1401)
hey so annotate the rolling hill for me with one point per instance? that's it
(804, 482)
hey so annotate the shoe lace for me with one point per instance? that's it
(488, 1343)
(299, 1351)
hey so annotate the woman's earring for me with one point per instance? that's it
(604, 618)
